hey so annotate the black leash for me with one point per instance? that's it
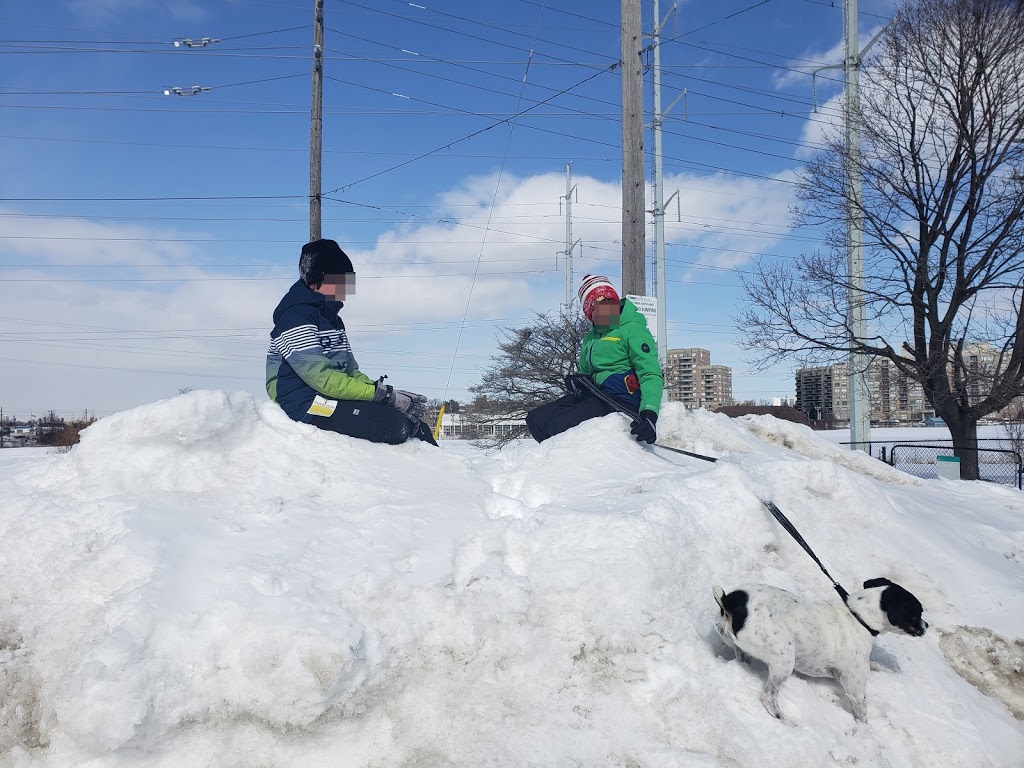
(785, 523)
(611, 402)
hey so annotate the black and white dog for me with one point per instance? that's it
(818, 639)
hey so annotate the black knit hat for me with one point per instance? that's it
(322, 257)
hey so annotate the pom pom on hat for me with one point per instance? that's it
(592, 288)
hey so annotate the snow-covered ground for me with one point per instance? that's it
(202, 582)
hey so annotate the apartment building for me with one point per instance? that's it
(823, 394)
(691, 379)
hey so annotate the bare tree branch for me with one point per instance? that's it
(942, 168)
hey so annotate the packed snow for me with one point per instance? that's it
(203, 582)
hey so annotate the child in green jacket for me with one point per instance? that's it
(620, 356)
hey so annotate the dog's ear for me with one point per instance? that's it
(882, 582)
(719, 594)
(903, 610)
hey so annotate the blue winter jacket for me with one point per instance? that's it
(310, 355)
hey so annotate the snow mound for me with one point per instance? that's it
(803, 440)
(204, 582)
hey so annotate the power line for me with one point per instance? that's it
(64, 41)
(424, 58)
(490, 213)
(261, 329)
(236, 278)
(139, 93)
(709, 49)
(730, 16)
(475, 133)
(680, 161)
(752, 134)
(476, 88)
(561, 45)
(543, 6)
(590, 114)
(196, 198)
(228, 147)
(839, 7)
(747, 89)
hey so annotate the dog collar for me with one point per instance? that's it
(874, 632)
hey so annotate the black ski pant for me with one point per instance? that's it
(376, 422)
(566, 412)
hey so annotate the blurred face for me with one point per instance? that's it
(338, 287)
(606, 312)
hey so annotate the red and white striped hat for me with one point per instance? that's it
(592, 288)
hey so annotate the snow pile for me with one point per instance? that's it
(800, 438)
(204, 582)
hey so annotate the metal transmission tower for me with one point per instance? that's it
(633, 209)
(660, 286)
(858, 393)
(316, 121)
(860, 399)
(570, 244)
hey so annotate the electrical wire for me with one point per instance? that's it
(730, 16)
(420, 57)
(589, 114)
(474, 134)
(490, 213)
(559, 44)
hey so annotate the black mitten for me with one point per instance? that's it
(643, 429)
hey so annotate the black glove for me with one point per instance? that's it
(643, 429)
(411, 405)
(382, 393)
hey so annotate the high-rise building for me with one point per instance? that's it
(691, 379)
(823, 394)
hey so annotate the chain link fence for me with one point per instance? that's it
(998, 462)
(996, 465)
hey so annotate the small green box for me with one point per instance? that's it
(948, 467)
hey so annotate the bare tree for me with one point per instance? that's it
(942, 114)
(1013, 426)
(533, 363)
(49, 429)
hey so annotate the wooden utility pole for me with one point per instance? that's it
(633, 211)
(316, 121)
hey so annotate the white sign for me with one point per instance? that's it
(648, 307)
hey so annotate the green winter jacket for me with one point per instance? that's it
(621, 348)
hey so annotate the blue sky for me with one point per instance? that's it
(145, 239)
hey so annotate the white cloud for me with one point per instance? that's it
(799, 70)
(740, 216)
(825, 123)
(67, 340)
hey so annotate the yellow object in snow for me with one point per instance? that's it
(437, 427)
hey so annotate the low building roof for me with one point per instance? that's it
(784, 412)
